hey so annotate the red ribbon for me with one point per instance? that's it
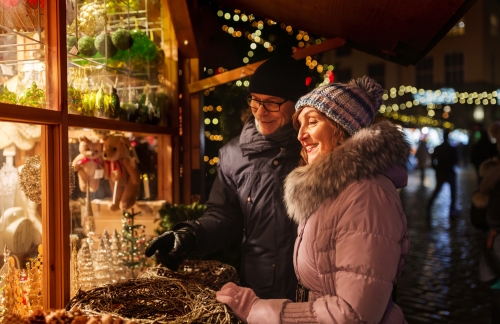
(86, 159)
(113, 166)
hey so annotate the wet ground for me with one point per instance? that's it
(440, 282)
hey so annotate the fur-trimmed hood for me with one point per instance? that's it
(372, 150)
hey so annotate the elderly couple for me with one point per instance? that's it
(311, 184)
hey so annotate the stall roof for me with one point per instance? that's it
(400, 31)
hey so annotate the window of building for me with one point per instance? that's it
(424, 73)
(343, 51)
(454, 68)
(377, 73)
(343, 75)
(458, 29)
(493, 25)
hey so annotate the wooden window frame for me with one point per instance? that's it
(55, 122)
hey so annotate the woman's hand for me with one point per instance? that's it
(239, 299)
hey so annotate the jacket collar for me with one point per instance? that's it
(381, 148)
(251, 141)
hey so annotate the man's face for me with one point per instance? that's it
(269, 121)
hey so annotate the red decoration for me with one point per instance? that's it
(34, 3)
(308, 81)
(331, 76)
(9, 3)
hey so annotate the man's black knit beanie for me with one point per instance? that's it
(281, 75)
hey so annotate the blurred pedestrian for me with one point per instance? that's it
(423, 159)
(444, 160)
(481, 151)
(489, 265)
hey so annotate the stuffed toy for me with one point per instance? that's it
(87, 163)
(120, 168)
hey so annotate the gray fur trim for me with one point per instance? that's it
(370, 151)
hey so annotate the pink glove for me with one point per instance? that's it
(239, 299)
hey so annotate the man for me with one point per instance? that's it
(247, 195)
(444, 158)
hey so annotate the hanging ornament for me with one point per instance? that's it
(35, 4)
(92, 18)
(30, 179)
(122, 39)
(9, 3)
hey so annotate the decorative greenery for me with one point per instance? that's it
(171, 214)
(7, 96)
(33, 97)
(86, 46)
(133, 238)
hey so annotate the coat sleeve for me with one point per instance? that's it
(222, 222)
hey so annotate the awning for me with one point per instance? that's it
(399, 31)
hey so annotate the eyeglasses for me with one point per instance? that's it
(268, 105)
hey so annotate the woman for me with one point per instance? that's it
(352, 236)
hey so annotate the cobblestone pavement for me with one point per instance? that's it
(440, 282)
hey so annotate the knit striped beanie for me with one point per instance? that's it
(353, 105)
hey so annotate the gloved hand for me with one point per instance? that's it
(170, 247)
(239, 299)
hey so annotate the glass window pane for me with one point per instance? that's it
(22, 53)
(118, 53)
(114, 172)
(20, 215)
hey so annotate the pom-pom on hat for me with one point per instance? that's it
(352, 105)
(280, 76)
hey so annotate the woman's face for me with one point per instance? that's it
(316, 134)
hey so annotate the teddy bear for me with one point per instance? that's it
(120, 168)
(87, 163)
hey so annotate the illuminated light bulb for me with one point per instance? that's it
(239, 83)
(431, 113)
(409, 104)
(215, 121)
(447, 108)
(257, 39)
(219, 108)
(258, 32)
(288, 28)
(301, 44)
(210, 71)
(227, 16)
(236, 17)
(253, 46)
(415, 102)
(230, 30)
(207, 121)
(493, 101)
(205, 158)
(445, 115)
(250, 53)
(393, 95)
(216, 159)
(245, 60)
(244, 18)
(402, 106)
(485, 101)
(298, 37)
(246, 83)
(401, 92)
(385, 96)
(220, 13)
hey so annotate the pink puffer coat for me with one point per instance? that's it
(353, 234)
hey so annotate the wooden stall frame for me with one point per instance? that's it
(55, 122)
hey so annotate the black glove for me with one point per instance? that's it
(170, 247)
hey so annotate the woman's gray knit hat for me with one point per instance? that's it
(353, 105)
